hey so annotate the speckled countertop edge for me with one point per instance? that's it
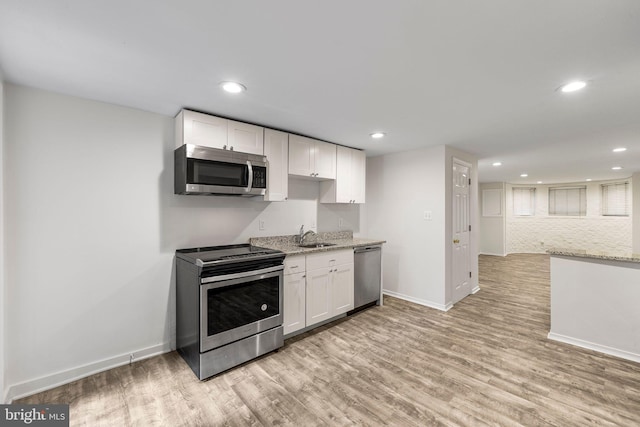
(595, 255)
(288, 244)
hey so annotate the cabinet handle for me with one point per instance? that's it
(304, 275)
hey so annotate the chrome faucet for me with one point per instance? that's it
(303, 235)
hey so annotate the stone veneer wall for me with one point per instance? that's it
(592, 232)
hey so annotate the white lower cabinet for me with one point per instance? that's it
(294, 302)
(318, 296)
(317, 289)
(294, 290)
(343, 292)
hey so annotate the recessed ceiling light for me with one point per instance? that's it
(588, 179)
(616, 168)
(539, 182)
(232, 87)
(377, 135)
(497, 164)
(524, 175)
(573, 86)
(619, 150)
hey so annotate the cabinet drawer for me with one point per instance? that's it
(329, 259)
(294, 264)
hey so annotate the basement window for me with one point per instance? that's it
(568, 201)
(524, 201)
(615, 199)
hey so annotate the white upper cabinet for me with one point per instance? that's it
(245, 137)
(325, 160)
(311, 158)
(349, 186)
(276, 148)
(358, 175)
(216, 132)
(200, 129)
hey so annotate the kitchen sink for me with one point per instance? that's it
(316, 245)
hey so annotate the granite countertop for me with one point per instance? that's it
(288, 244)
(595, 255)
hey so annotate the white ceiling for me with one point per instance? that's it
(476, 75)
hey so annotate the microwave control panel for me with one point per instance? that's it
(259, 177)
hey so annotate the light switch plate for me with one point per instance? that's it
(428, 215)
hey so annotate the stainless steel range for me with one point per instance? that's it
(228, 305)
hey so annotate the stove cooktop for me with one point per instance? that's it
(211, 255)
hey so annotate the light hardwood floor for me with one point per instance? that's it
(487, 361)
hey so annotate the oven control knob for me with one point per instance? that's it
(264, 307)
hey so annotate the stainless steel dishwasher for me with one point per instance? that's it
(366, 262)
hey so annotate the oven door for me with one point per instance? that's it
(238, 305)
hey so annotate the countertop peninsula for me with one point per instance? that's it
(578, 253)
(289, 243)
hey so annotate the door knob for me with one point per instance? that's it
(456, 241)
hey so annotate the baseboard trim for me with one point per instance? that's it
(623, 354)
(426, 303)
(475, 290)
(492, 254)
(48, 382)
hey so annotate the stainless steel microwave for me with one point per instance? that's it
(211, 171)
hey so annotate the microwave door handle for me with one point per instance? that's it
(250, 183)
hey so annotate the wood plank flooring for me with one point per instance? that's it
(487, 361)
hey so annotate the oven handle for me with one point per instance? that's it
(240, 275)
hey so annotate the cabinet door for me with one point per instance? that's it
(245, 137)
(325, 160)
(358, 175)
(294, 302)
(202, 129)
(300, 155)
(319, 302)
(342, 289)
(343, 175)
(276, 148)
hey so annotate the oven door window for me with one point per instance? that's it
(206, 172)
(239, 307)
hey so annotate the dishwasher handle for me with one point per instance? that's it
(367, 249)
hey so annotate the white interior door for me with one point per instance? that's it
(461, 230)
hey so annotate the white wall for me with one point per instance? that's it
(492, 240)
(91, 227)
(339, 217)
(635, 191)
(400, 188)
(594, 304)
(3, 311)
(591, 232)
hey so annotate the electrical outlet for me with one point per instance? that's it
(428, 215)
(261, 224)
